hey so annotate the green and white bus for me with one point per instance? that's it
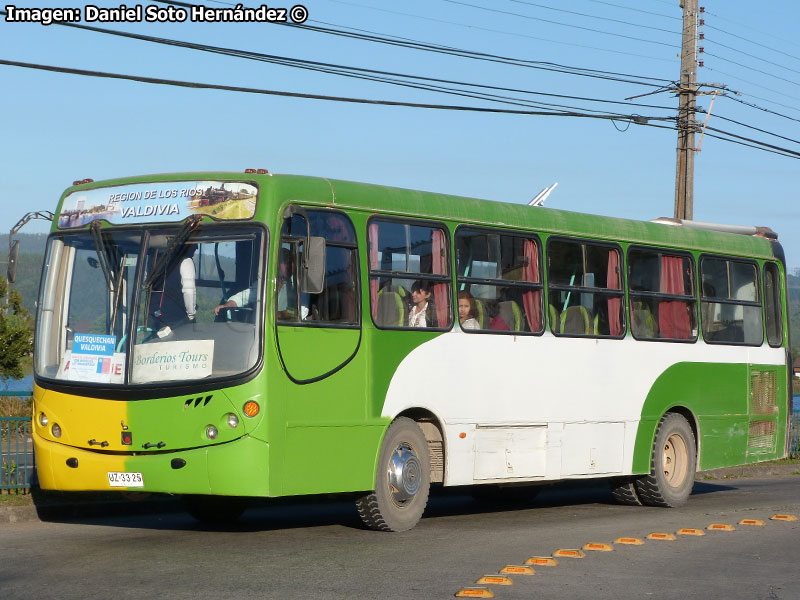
(257, 335)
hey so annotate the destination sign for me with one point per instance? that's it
(161, 202)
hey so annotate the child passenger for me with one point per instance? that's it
(466, 311)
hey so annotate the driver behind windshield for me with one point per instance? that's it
(175, 303)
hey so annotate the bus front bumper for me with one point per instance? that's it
(238, 468)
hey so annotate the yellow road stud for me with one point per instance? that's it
(475, 593)
(756, 522)
(629, 541)
(662, 536)
(517, 570)
(595, 547)
(783, 518)
(688, 531)
(495, 580)
(721, 527)
(542, 561)
(569, 553)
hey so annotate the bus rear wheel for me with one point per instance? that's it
(402, 482)
(672, 465)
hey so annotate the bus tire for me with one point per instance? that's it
(624, 491)
(402, 481)
(672, 464)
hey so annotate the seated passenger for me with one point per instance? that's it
(422, 313)
(466, 311)
(177, 298)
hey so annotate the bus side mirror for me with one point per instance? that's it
(13, 254)
(312, 267)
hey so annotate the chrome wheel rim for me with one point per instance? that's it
(675, 460)
(405, 475)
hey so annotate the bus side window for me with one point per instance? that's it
(338, 303)
(731, 306)
(772, 304)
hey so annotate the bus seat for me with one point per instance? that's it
(642, 321)
(510, 313)
(482, 315)
(392, 309)
(575, 320)
(553, 314)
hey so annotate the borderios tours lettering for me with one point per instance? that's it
(150, 210)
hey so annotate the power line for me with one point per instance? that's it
(639, 10)
(501, 32)
(522, 16)
(361, 73)
(637, 119)
(426, 46)
(733, 62)
(793, 43)
(590, 16)
(788, 139)
(769, 62)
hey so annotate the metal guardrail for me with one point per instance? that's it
(16, 453)
(17, 467)
(794, 436)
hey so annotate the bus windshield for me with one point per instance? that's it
(134, 307)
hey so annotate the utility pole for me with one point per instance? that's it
(687, 92)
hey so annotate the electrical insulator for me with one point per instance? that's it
(700, 50)
(702, 9)
(702, 22)
(702, 36)
(700, 64)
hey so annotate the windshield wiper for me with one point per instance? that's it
(189, 226)
(102, 254)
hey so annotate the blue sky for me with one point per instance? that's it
(56, 128)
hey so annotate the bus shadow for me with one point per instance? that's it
(264, 515)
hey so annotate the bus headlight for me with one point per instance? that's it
(233, 421)
(43, 419)
(211, 432)
(56, 430)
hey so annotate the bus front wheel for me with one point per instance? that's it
(402, 480)
(672, 465)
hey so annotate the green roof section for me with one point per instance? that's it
(280, 188)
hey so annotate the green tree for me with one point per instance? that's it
(16, 332)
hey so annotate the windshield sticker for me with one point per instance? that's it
(163, 361)
(159, 203)
(92, 358)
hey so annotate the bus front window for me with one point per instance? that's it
(85, 306)
(85, 326)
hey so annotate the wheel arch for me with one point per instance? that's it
(433, 430)
(646, 436)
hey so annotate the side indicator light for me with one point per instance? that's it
(720, 527)
(756, 522)
(251, 408)
(475, 593)
(127, 438)
(542, 561)
(569, 553)
(783, 518)
(72, 463)
(517, 570)
(495, 580)
(662, 536)
(629, 541)
(691, 532)
(177, 463)
(598, 547)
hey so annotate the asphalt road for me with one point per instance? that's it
(319, 550)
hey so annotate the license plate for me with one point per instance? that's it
(118, 479)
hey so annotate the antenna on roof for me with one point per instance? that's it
(538, 199)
